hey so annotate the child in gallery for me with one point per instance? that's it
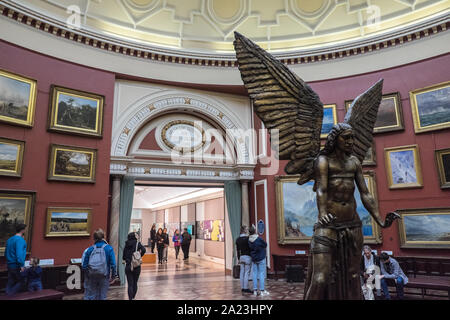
(33, 275)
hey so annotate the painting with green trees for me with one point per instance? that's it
(77, 112)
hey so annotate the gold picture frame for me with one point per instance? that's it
(403, 167)
(68, 222)
(11, 157)
(443, 164)
(16, 207)
(76, 112)
(390, 113)
(430, 107)
(329, 113)
(17, 99)
(424, 228)
(69, 163)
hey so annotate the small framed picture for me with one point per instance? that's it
(17, 99)
(403, 167)
(329, 119)
(68, 163)
(68, 222)
(424, 228)
(443, 165)
(431, 107)
(371, 158)
(76, 112)
(390, 113)
(15, 207)
(11, 157)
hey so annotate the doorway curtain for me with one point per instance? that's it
(126, 207)
(233, 197)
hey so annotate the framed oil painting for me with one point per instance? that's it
(390, 113)
(403, 167)
(76, 112)
(68, 222)
(443, 165)
(17, 99)
(370, 158)
(72, 164)
(297, 211)
(329, 119)
(431, 107)
(425, 228)
(11, 157)
(15, 207)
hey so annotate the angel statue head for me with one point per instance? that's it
(345, 133)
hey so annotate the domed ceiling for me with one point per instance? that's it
(205, 27)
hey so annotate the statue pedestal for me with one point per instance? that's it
(149, 258)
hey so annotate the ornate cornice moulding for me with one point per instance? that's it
(111, 44)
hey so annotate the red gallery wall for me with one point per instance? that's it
(47, 71)
(401, 79)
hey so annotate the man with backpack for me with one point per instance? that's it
(99, 265)
(185, 243)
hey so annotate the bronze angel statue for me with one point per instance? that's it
(284, 102)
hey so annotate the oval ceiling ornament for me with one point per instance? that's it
(183, 136)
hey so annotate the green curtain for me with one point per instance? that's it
(233, 197)
(126, 207)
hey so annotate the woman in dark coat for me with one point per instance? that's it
(132, 275)
(160, 245)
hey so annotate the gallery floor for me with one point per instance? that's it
(205, 280)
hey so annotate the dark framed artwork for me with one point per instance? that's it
(425, 228)
(390, 113)
(431, 107)
(68, 222)
(443, 165)
(68, 163)
(11, 157)
(77, 112)
(17, 99)
(16, 207)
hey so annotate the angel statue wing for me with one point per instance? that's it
(361, 116)
(283, 102)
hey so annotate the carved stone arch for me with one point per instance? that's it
(154, 105)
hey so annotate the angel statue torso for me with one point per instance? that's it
(293, 113)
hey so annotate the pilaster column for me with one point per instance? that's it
(245, 220)
(115, 215)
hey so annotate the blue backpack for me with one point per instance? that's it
(98, 266)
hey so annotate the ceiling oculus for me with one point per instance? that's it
(183, 136)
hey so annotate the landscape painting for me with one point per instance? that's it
(17, 99)
(72, 164)
(15, 207)
(443, 165)
(76, 112)
(329, 119)
(425, 228)
(66, 222)
(403, 165)
(11, 157)
(431, 107)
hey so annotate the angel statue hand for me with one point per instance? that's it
(390, 217)
(327, 219)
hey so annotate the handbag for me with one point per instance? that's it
(136, 258)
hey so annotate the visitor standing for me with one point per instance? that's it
(15, 253)
(258, 254)
(185, 243)
(166, 244)
(245, 260)
(153, 237)
(176, 239)
(133, 248)
(160, 245)
(99, 265)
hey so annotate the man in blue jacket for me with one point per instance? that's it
(99, 265)
(15, 253)
(390, 269)
(258, 254)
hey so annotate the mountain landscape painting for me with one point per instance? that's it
(328, 120)
(14, 98)
(427, 227)
(363, 214)
(403, 168)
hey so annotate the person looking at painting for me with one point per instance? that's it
(258, 254)
(185, 243)
(15, 253)
(166, 244)
(176, 239)
(390, 270)
(131, 246)
(153, 237)
(245, 260)
(99, 265)
(160, 245)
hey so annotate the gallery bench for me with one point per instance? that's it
(46, 294)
